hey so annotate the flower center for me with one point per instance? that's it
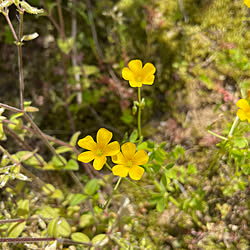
(138, 78)
(99, 152)
(129, 164)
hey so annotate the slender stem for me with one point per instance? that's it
(110, 197)
(133, 184)
(43, 138)
(29, 239)
(16, 110)
(107, 165)
(11, 26)
(171, 198)
(24, 144)
(21, 25)
(74, 53)
(234, 126)
(20, 61)
(139, 115)
(219, 136)
(59, 8)
(52, 19)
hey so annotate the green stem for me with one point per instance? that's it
(116, 186)
(132, 183)
(219, 136)
(107, 165)
(234, 126)
(157, 185)
(171, 198)
(139, 115)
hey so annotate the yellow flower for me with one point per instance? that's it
(128, 161)
(247, 3)
(138, 75)
(244, 112)
(98, 150)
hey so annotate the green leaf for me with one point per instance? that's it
(63, 149)
(29, 9)
(29, 38)
(58, 194)
(126, 117)
(29, 158)
(91, 187)
(31, 109)
(191, 169)
(63, 228)
(90, 69)
(65, 45)
(3, 180)
(23, 208)
(86, 220)
(100, 240)
(16, 229)
(59, 163)
(156, 167)
(48, 189)
(77, 199)
(74, 138)
(160, 205)
(171, 173)
(245, 169)
(52, 228)
(2, 134)
(170, 165)
(5, 4)
(207, 81)
(133, 137)
(80, 237)
(72, 165)
(49, 212)
(240, 142)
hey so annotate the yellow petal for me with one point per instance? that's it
(135, 65)
(119, 159)
(87, 143)
(99, 162)
(103, 137)
(140, 157)
(148, 69)
(136, 172)
(120, 170)
(127, 74)
(242, 115)
(135, 84)
(243, 104)
(112, 148)
(86, 156)
(149, 80)
(128, 150)
(247, 3)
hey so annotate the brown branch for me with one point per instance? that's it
(25, 145)
(59, 9)
(16, 110)
(30, 239)
(51, 18)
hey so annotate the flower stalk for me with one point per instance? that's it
(139, 115)
(115, 188)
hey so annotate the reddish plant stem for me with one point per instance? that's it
(29, 239)
(18, 139)
(52, 19)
